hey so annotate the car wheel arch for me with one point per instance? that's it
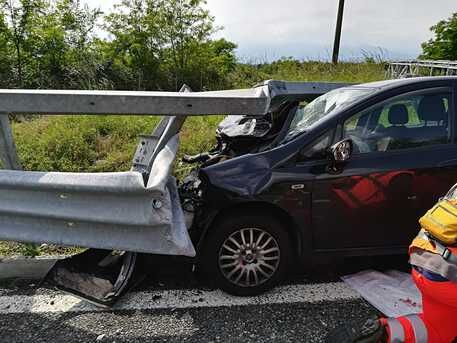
(258, 208)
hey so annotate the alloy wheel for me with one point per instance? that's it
(249, 257)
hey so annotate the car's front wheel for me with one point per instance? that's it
(246, 254)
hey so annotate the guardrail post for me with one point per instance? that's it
(8, 154)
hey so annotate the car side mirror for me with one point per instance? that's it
(341, 151)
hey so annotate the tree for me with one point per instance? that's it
(153, 45)
(161, 44)
(208, 65)
(444, 44)
(19, 15)
(64, 46)
(133, 56)
(6, 60)
(184, 28)
(49, 44)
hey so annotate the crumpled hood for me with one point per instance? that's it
(243, 175)
(250, 174)
(244, 126)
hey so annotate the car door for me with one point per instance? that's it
(403, 160)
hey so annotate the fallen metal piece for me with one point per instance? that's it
(98, 276)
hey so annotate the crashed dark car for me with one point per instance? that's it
(300, 171)
(347, 174)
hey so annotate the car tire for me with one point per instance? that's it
(262, 261)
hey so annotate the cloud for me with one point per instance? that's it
(305, 28)
(269, 29)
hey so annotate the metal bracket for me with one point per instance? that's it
(144, 152)
(150, 146)
(8, 153)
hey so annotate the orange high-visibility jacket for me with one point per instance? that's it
(435, 247)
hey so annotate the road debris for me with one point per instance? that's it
(393, 293)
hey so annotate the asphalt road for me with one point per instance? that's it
(174, 307)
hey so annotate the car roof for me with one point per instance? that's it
(282, 92)
(384, 84)
(380, 86)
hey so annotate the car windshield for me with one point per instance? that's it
(307, 115)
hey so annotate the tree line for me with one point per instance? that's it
(139, 45)
(149, 45)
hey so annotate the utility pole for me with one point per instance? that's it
(339, 23)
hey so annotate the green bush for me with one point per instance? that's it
(79, 143)
(97, 143)
(245, 75)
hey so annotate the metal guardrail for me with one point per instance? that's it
(258, 100)
(8, 154)
(52, 102)
(412, 68)
(136, 211)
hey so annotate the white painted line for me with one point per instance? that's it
(170, 299)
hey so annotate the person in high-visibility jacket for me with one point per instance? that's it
(434, 270)
(433, 257)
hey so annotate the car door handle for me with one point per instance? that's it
(297, 187)
(412, 197)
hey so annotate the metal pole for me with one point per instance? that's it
(339, 23)
(8, 154)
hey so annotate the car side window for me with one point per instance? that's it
(318, 149)
(403, 122)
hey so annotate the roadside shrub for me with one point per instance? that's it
(97, 143)
(79, 143)
(246, 75)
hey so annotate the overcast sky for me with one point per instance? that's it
(270, 29)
